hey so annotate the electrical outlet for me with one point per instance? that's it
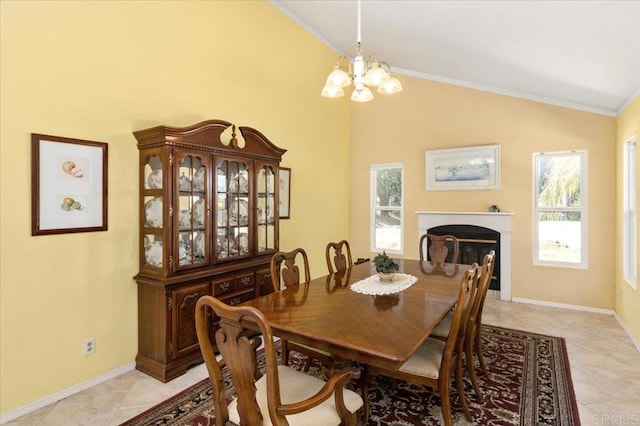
(89, 345)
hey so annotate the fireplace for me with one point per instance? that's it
(475, 242)
(484, 229)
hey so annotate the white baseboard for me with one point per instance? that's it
(627, 330)
(55, 397)
(563, 305)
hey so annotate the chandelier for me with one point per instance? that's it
(363, 73)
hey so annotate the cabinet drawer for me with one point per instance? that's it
(244, 281)
(237, 299)
(233, 300)
(224, 285)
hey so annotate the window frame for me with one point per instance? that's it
(583, 210)
(630, 212)
(373, 170)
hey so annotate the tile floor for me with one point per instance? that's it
(605, 367)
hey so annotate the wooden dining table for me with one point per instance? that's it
(380, 330)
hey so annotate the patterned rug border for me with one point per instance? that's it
(195, 400)
(566, 368)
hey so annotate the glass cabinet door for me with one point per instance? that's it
(191, 219)
(233, 207)
(266, 223)
(153, 212)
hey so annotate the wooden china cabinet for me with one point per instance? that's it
(208, 225)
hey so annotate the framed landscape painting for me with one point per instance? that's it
(471, 168)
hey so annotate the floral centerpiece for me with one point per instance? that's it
(385, 267)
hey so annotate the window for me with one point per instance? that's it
(629, 221)
(560, 209)
(386, 208)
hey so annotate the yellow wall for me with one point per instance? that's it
(98, 71)
(430, 115)
(627, 298)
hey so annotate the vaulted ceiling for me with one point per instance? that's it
(580, 54)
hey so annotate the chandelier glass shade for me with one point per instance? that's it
(362, 73)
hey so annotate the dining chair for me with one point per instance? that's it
(435, 361)
(285, 270)
(339, 260)
(440, 248)
(280, 396)
(490, 262)
(473, 336)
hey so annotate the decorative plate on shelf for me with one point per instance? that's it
(154, 180)
(242, 242)
(153, 253)
(184, 218)
(243, 183)
(198, 212)
(200, 245)
(153, 212)
(222, 217)
(198, 180)
(222, 180)
(223, 246)
(233, 183)
(184, 255)
(262, 217)
(184, 183)
(240, 211)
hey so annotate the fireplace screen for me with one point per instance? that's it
(475, 242)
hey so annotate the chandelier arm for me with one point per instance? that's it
(346, 65)
(372, 58)
(381, 63)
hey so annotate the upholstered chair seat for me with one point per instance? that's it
(426, 360)
(443, 327)
(297, 386)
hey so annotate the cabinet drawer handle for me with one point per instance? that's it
(245, 280)
(225, 286)
(235, 301)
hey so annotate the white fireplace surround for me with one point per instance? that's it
(499, 222)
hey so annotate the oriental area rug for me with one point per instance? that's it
(529, 383)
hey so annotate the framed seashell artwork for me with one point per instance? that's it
(69, 185)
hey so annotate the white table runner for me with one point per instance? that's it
(373, 285)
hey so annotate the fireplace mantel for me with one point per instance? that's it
(498, 221)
